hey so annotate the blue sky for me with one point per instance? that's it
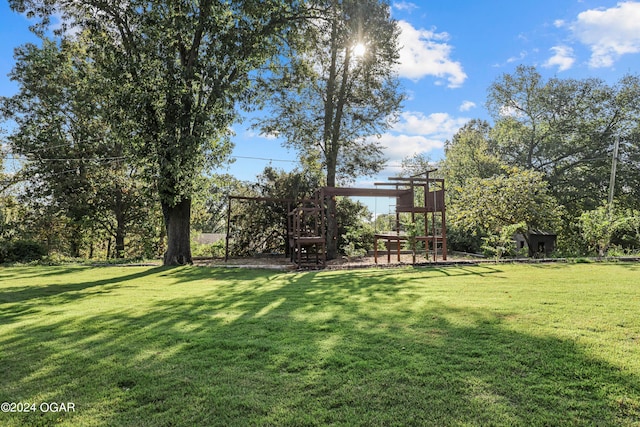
(451, 52)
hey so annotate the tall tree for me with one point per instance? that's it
(7, 202)
(563, 128)
(470, 156)
(4, 180)
(179, 67)
(68, 131)
(338, 90)
(627, 189)
(55, 140)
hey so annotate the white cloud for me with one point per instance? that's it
(398, 147)
(426, 53)
(409, 95)
(250, 134)
(520, 57)
(563, 58)
(467, 105)
(418, 133)
(440, 125)
(609, 33)
(405, 6)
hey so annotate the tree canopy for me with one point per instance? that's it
(338, 89)
(122, 108)
(516, 196)
(471, 153)
(564, 128)
(177, 70)
(546, 160)
(69, 133)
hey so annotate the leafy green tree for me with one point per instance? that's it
(597, 227)
(502, 243)
(209, 214)
(627, 185)
(355, 230)
(471, 153)
(627, 234)
(384, 222)
(50, 134)
(601, 226)
(337, 91)
(177, 70)
(122, 205)
(563, 128)
(5, 200)
(9, 213)
(566, 129)
(4, 179)
(514, 197)
(69, 133)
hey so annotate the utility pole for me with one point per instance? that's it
(612, 181)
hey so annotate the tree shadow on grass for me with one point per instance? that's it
(348, 348)
(8, 273)
(635, 266)
(19, 301)
(457, 270)
(67, 291)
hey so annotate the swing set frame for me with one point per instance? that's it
(418, 195)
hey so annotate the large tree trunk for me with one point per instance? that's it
(335, 130)
(332, 221)
(332, 229)
(119, 242)
(177, 221)
(121, 227)
(75, 240)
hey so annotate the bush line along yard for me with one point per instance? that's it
(478, 345)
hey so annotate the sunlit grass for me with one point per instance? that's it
(482, 345)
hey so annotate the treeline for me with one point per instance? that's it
(121, 110)
(33, 224)
(544, 163)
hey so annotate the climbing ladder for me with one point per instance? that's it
(307, 235)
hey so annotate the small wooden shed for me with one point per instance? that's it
(541, 243)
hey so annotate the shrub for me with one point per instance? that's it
(21, 251)
(502, 244)
(216, 249)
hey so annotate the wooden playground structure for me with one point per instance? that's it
(420, 197)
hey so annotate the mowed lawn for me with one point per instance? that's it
(510, 345)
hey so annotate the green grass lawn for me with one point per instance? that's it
(485, 345)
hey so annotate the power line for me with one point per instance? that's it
(112, 159)
(80, 159)
(264, 158)
(389, 164)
